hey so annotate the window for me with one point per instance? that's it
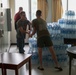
(29, 6)
(64, 5)
(24, 4)
(68, 5)
(33, 8)
(72, 5)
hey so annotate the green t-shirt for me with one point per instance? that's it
(23, 24)
(41, 27)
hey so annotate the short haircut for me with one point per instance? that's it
(20, 8)
(23, 12)
(38, 12)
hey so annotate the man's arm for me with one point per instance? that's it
(33, 32)
(23, 31)
(29, 25)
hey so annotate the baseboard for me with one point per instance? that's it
(16, 43)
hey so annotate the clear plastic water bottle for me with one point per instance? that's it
(61, 22)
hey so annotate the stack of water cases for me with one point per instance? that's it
(33, 50)
(64, 28)
(58, 42)
(68, 25)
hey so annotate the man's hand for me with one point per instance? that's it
(21, 30)
(28, 31)
(30, 35)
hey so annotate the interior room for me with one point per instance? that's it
(60, 19)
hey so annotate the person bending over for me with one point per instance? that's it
(43, 39)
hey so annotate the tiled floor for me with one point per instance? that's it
(48, 70)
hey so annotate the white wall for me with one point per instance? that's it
(13, 32)
(5, 40)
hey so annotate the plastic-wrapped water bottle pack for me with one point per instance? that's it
(70, 14)
(57, 39)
